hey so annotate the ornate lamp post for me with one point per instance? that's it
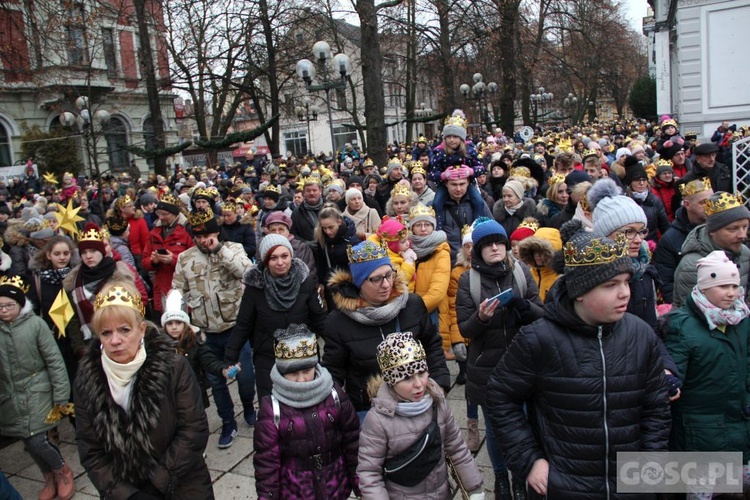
(89, 126)
(339, 63)
(570, 103)
(479, 92)
(307, 113)
(541, 98)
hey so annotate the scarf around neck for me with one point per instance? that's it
(378, 315)
(93, 275)
(641, 262)
(282, 291)
(514, 208)
(416, 408)
(640, 196)
(302, 394)
(717, 317)
(314, 208)
(53, 276)
(120, 376)
(425, 245)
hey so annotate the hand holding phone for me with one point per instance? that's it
(503, 297)
(162, 251)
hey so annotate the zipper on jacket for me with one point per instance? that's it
(604, 400)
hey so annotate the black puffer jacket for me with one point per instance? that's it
(656, 215)
(351, 346)
(257, 322)
(490, 340)
(590, 391)
(242, 234)
(511, 222)
(333, 255)
(669, 252)
(643, 296)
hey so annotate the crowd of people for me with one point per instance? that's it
(589, 284)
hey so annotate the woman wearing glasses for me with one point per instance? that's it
(639, 189)
(372, 300)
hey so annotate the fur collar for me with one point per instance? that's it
(125, 438)
(346, 294)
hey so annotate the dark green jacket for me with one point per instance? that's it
(32, 375)
(709, 415)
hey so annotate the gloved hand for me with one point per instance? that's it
(476, 495)
(673, 384)
(459, 350)
(518, 304)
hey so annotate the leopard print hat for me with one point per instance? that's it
(400, 356)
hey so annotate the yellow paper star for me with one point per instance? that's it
(61, 312)
(50, 177)
(67, 218)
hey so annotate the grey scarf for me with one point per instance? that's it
(425, 245)
(380, 315)
(413, 409)
(281, 292)
(302, 394)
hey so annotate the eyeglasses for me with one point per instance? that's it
(8, 307)
(632, 233)
(378, 280)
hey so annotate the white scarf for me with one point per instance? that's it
(121, 376)
(513, 209)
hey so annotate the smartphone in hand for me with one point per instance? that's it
(503, 297)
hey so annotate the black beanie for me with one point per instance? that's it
(14, 288)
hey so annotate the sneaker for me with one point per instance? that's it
(228, 433)
(250, 419)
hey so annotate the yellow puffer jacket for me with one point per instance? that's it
(462, 265)
(546, 240)
(431, 283)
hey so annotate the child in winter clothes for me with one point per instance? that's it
(670, 141)
(708, 341)
(33, 384)
(537, 252)
(453, 159)
(663, 187)
(176, 324)
(402, 408)
(307, 432)
(393, 233)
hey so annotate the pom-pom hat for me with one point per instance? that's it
(715, 269)
(456, 125)
(173, 310)
(612, 210)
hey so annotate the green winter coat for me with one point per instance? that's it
(32, 375)
(713, 366)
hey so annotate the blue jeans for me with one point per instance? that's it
(245, 379)
(493, 449)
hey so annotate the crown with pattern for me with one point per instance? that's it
(726, 201)
(200, 217)
(520, 172)
(399, 356)
(531, 224)
(691, 133)
(92, 234)
(589, 153)
(695, 186)
(204, 193)
(556, 179)
(668, 122)
(368, 163)
(417, 168)
(303, 350)
(15, 281)
(663, 162)
(170, 199)
(421, 138)
(229, 206)
(401, 189)
(595, 252)
(117, 224)
(310, 179)
(119, 296)
(369, 251)
(271, 188)
(456, 120)
(419, 210)
(123, 200)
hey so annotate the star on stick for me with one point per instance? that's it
(50, 178)
(67, 218)
(61, 312)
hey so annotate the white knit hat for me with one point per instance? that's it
(173, 311)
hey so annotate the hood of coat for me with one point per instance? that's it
(548, 242)
(27, 311)
(181, 220)
(346, 294)
(699, 241)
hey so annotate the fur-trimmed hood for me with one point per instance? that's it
(346, 294)
(181, 220)
(546, 240)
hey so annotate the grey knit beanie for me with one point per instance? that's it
(734, 211)
(295, 349)
(271, 241)
(591, 261)
(611, 209)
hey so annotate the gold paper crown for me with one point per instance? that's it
(68, 174)
(421, 210)
(691, 132)
(520, 172)
(556, 179)
(421, 138)
(304, 350)
(668, 122)
(170, 199)
(399, 352)
(15, 281)
(417, 168)
(467, 229)
(530, 223)
(663, 162)
(274, 189)
(119, 296)
(401, 189)
(726, 201)
(456, 120)
(123, 200)
(229, 206)
(117, 223)
(200, 217)
(584, 201)
(368, 163)
(311, 179)
(595, 252)
(588, 153)
(282, 165)
(369, 251)
(203, 192)
(92, 235)
(105, 233)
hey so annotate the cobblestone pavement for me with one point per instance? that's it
(231, 469)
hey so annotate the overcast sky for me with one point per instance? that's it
(636, 11)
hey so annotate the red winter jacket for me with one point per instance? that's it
(177, 242)
(138, 235)
(666, 192)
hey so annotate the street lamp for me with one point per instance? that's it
(338, 64)
(570, 104)
(479, 92)
(423, 112)
(307, 114)
(541, 98)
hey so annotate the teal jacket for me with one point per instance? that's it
(32, 375)
(709, 415)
